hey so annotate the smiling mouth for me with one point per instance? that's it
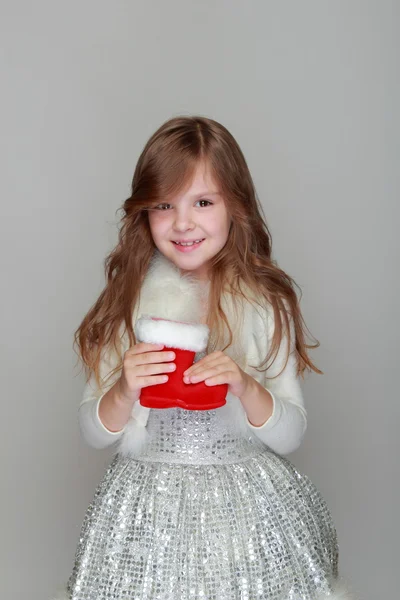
(189, 243)
(185, 247)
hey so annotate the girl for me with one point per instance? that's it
(199, 504)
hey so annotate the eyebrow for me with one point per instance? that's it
(197, 196)
(206, 193)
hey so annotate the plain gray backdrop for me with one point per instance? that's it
(310, 90)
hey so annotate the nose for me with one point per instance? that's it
(183, 219)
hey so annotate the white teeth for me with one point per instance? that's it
(188, 243)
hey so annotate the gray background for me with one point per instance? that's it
(309, 90)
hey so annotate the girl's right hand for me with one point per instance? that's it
(143, 365)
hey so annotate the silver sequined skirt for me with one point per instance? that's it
(179, 522)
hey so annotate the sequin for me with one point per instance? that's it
(205, 511)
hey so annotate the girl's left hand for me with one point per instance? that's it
(217, 368)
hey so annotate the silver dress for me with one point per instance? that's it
(206, 511)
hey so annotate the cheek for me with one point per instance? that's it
(156, 226)
(225, 223)
(151, 227)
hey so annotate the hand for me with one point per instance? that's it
(217, 368)
(143, 366)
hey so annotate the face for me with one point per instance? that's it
(199, 213)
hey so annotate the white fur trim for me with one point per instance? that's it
(341, 591)
(140, 413)
(135, 433)
(187, 336)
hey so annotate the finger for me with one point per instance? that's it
(224, 377)
(154, 369)
(144, 358)
(206, 373)
(152, 380)
(200, 369)
(143, 347)
(208, 361)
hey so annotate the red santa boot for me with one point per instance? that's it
(185, 339)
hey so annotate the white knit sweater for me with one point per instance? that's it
(165, 293)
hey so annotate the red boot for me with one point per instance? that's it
(185, 339)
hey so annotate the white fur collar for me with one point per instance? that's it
(168, 294)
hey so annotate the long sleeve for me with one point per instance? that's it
(94, 433)
(92, 429)
(283, 432)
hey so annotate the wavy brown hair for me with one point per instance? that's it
(165, 166)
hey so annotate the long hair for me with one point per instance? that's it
(165, 166)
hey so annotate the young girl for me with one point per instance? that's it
(199, 504)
